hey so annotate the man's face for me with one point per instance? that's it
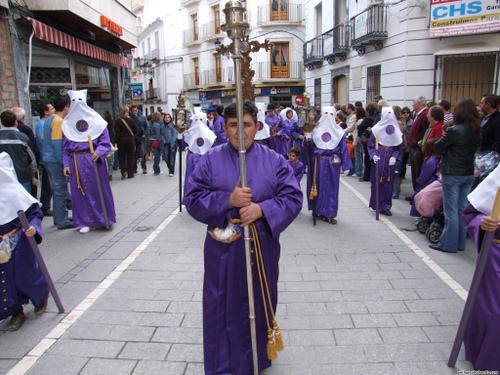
(417, 106)
(135, 111)
(250, 129)
(51, 110)
(484, 106)
(430, 118)
(349, 110)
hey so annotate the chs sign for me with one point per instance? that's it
(458, 17)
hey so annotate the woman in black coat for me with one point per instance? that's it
(366, 128)
(125, 130)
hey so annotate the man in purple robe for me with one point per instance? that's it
(481, 343)
(273, 120)
(218, 128)
(284, 133)
(81, 122)
(329, 154)
(21, 277)
(271, 201)
(384, 159)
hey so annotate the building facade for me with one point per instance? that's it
(356, 50)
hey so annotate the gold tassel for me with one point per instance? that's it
(380, 179)
(271, 348)
(277, 335)
(314, 192)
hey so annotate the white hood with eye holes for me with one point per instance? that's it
(81, 120)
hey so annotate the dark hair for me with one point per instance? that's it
(60, 102)
(295, 150)
(149, 118)
(492, 99)
(341, 116)
(406, 109)
(358, 104)
(167, 114)
(360, 113)
(220, 109)
(429, 146)
(466, 113)
(289, 111)
(8, 118)
(378, 97)
(371, 108)
(42, 108)
(351, 107)
(445, 104)
(437, 113)
(134, 106)
(271, 107)
(248, 107)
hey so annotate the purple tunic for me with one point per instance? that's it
(87, 209)
(285, 129)
(272, 121)
(218, 129)
(426, 177)
(482, 344)
(191, 161)
(226, 327)
(298, 170)
(385, 172)
(328, 178)
(22, 278)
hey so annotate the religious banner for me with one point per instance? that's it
(460, 17)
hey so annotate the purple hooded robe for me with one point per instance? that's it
(285, 129)
(328, 178)
(87, 208)
(226, 327)
(481, 342)
(385, 172)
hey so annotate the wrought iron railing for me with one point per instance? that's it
(266, 70)
(313, 50)
(369, 26)
(211, 30)
(191, 35)
(215, 77)
(153, 95)
(283, 13)
(154, 55)
(336, 42)
(191, 80)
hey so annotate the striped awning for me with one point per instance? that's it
(49, 34)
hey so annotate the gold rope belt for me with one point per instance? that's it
(497, 240)
(314, 191)
(76, 170)
(274, 338)
(8, 234)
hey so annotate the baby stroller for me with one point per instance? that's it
(429, 203)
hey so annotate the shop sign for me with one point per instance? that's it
(228, 93)
(460, 17)
(111, 26)
(137, 89)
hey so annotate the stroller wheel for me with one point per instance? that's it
(423, 225)
(434, 233)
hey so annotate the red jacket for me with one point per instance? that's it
(418, 129)
(436, 131)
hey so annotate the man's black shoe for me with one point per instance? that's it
(409, 199)
(48, 212)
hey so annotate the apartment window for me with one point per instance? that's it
(372, 82)
(194, 23)
(216, 12)
(318, 15)
(218, 68)
(196, 70)
(279, 10)
(317, 91)
(280, 64)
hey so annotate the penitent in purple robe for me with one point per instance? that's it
(87, 208)
(226, 327)
(218, 129)
(385, 172)
(21, 277)
(482, 344)
(285, 129)
(328, 178)
(426, 177)
(298, 170)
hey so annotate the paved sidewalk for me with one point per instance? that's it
(354, 298)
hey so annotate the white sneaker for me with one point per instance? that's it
(171, 175)
(84, 230)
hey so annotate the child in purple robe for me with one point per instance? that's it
(271, 201)
(297, 166)
(481, 343)
(21, 277)
(429, 172)
(284, 133)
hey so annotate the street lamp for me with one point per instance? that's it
(236, 26)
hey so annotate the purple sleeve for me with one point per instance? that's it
(344, 152)
(103, 145)
(371, 146)
(300, 172)
(66, 154)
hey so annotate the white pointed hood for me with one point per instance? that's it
(13, 196)
(387, 128)
(198, 136)
(327, 134)
(81, 120)
(483, 196)
(264, 132)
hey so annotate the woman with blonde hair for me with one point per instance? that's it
(125, 130)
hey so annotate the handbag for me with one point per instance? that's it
(155, 144)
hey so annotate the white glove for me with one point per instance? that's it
(346, 172)
(376, 158)
(392, 160)
(308, 136)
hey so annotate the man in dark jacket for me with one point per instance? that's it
(490, 124)
(142, 132)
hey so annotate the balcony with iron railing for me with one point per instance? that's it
(153, 94)
(217, 77)
(336, 43)
(191, 36)
(191, 81)
(290, 14)
(154, 55)
(369, 27)
(211, 31)
(186, 3)
(266, 71)
(313, 53)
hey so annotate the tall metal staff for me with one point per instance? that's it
(235, 27)
(377, 186)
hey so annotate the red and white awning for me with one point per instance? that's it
(49, 34)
